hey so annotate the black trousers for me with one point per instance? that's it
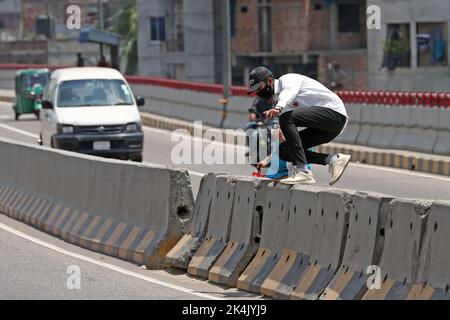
(322, 126)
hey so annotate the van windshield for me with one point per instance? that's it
(94, 92)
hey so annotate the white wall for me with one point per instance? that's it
(414, 78)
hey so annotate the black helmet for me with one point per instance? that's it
(256, 76)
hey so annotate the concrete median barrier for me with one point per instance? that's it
(181, 254)
(433, 280)
(296, 253)
(245, 231)
(328, 243)
(275, 210)
(403, 243)
(404, 124)
(442, 145)
(383, 130)
(363, 247)
(350, 134)
(367, 118)
(218, 230)
(424, 133)
(109, 206)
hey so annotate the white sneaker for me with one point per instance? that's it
(299, 177)
(338, 166)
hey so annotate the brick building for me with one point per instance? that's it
(302, 36)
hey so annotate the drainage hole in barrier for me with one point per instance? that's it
(329, 267)
(248, 200)
(410, 226)
(391, 223)
(321, 213)
(217, 194)
(241, 247)
(229, 195)
(287, 258)
(295, 209)
(337, 214)
(315, 263)
(346, 270)
(257, 239)
(275, 256)
(385, 278)
(309, 213)
(370, 221)
(282, 207)
(209, 192)
(435, 226)
(404, 281)
(270, 205)
(301, 262)
(356, 217)
(382, 232)
(232, 245)
(239, 199)
(361, 274)
(264, 251)
(183, 212)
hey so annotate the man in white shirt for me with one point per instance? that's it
(303, 102)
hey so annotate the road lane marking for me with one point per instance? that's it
(25, 133)
(199, 139)
(106, 265)
(399, 171)
(199, 174)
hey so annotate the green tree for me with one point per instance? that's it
(126, 26)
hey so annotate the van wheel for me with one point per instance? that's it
(136, 157)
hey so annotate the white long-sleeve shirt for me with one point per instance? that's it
(297, 91)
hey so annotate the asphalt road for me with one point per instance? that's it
(33, 265)
(159, 146)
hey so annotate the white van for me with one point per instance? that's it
(92, 111)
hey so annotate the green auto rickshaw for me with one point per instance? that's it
(30, 86)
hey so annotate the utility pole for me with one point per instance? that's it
(226, 58)
(101, 21)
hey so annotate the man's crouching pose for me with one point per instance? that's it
(303, 102)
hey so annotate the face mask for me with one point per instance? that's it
(266, 92)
